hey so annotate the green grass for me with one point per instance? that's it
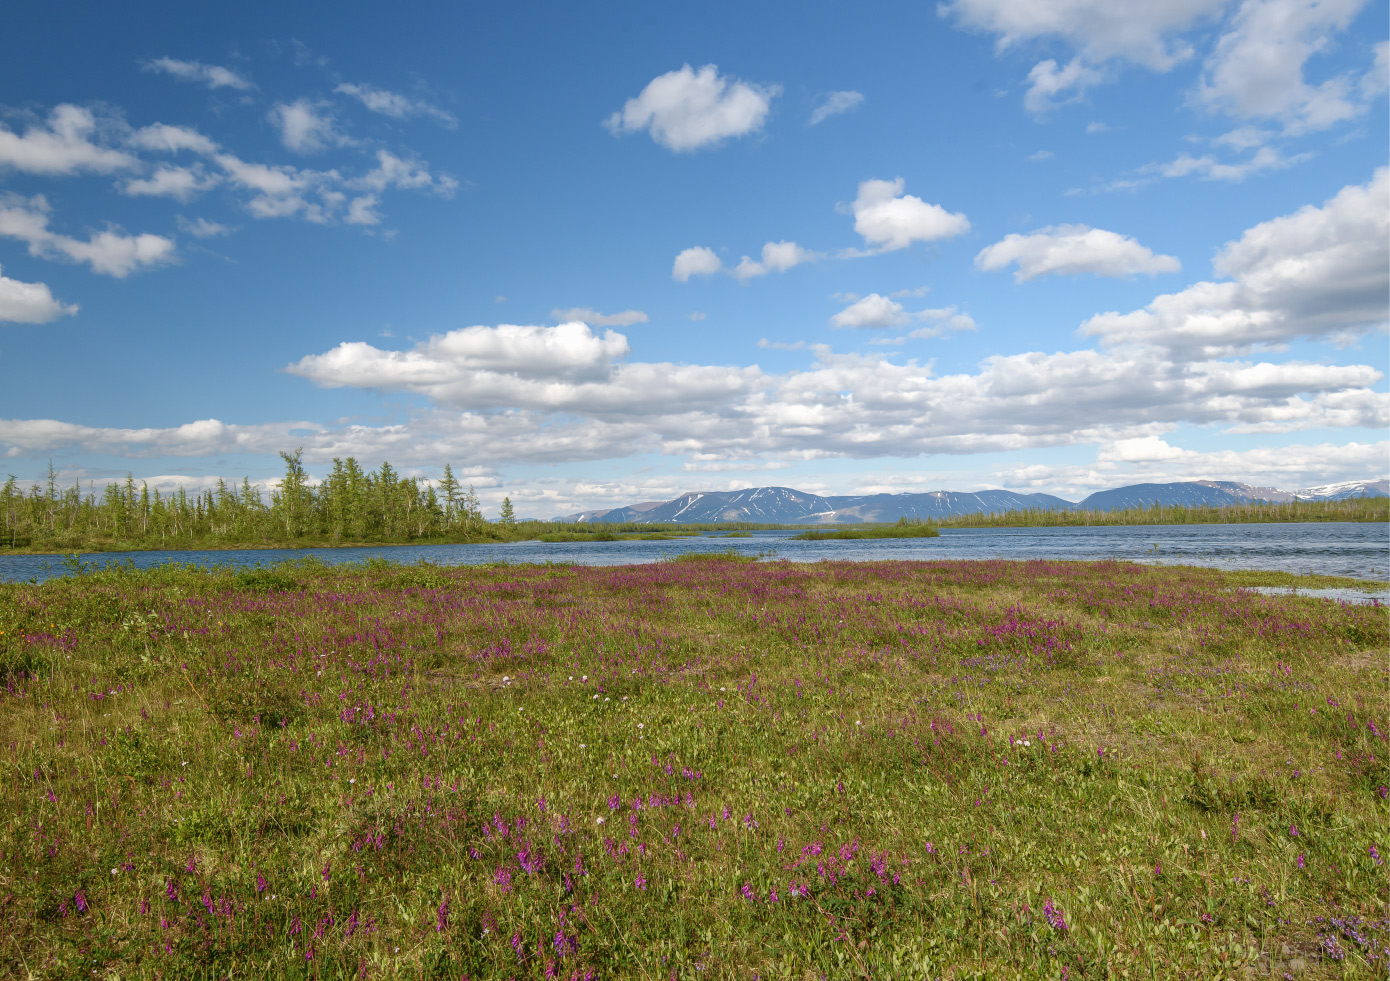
(974, 769)
(903, 529)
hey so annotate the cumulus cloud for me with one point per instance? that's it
(1012, 402)
(593, 318)
(362, 211)
(75, 140)
(283, 191)
(1207, 167)
(836, 104)
(1147, 34)
(110, 252)
(872, 311)
(776, 257)
(685, 109)
(30, 303)
(164, 138)
(695, 261)
(1050, 86)
(570, 352)
(876, 312)
(944, 320)
(201, 227)
(1257, 68)
(305, 126)
(564, 393)
(403, 173)
(180, 183)
(889, 220)
(69, 142)
(1152, 458)
(213, 76)
(1098, 31)
(1321, 272)
(1073, 250)
(394, 104)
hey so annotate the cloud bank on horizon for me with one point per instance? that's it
(1154, 244)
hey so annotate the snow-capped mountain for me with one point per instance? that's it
(786, 505)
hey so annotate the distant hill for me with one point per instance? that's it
(786, 505)
(1341, 492)
(1194, 493)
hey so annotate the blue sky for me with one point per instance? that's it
(590, 256)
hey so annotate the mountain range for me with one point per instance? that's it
(786, 505)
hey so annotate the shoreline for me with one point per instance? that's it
(672, 529)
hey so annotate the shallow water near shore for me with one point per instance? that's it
(1357, 550)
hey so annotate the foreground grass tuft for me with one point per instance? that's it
(696, 768)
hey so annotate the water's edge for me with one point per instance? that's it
(1356, 550)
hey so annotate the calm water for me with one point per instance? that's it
(1360, 550)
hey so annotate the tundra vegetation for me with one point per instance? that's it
(354, 506)
(712, 768)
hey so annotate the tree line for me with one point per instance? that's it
(1351, 509)
(351, 504)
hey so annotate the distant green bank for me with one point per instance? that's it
(903, 529)
(357, 507)
(1353, 509)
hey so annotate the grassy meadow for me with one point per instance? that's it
(694, 769)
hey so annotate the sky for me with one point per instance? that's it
(591, 255)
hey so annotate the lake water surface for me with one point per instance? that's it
(1360, 549)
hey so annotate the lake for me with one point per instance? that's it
(1360, 550)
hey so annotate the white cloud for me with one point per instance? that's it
(74, 140)
(163, 138)
(1039, 156)
(1321, 272)
(110, 252)
(1048, 85)
(515, 393)
(362, 211)
(180, 183)
(305, 126)
(1209, 168)
(1257, 68)
(68, 143)
(394, 104)
(872, 311)
(945, 320)
(875, 311)
(1151, 458)
(686, 110)
(1377, 78)
(889, 220)
(836, 104)
(404, 174)
(570, 352)
(1073, 250)
(695, 261)
(776, 257)
(213, 76)
(201, 227)
(1244, 138)
(593, 318)
(282, 191)
(30, 303)
(1099, 30)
